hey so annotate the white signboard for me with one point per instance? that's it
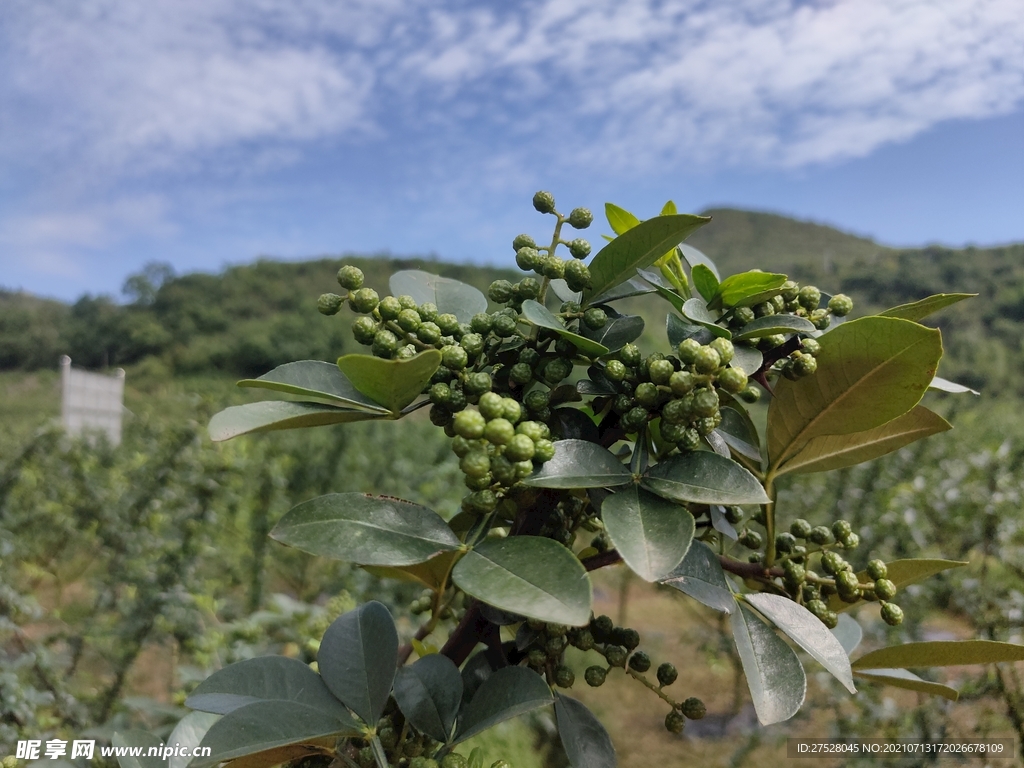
(91, 401)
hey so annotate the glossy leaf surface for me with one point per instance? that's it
(358, 657)
(617, 332)
(693, 257)
(314, 378)
(539, 315)
(705, 478)
(870, 371)
(948, 653)
(836, 451)
(364, 529)
(530, 575)
(447, 295)
(774, 674)
(272, 415)
(651, 533)
(771, 325)
(696, 311)
(189, 732)
(507, 693)
(619, 219)
(391, 383)
(807, 631)
(679, 330)
(270, 725)
(746, 289)
(429, 693)
(580, 464)
(918, 310)
(901, 678)
(704, 281)
(638, 248)
(700, 576)
(264, 678)
(585, 740)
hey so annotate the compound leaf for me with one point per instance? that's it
(774, 674)
(507, 693)
(580, 464)
(704, 477)
(314, 378)
(429, 693)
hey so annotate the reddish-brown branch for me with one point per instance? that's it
(602, 560)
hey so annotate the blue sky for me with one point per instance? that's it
(206, 132)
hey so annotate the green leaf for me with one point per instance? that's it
(429, 693)
(944, 385)
(628, 289)
(848, 632)
(747, 359)
(704, 281)
(739, 434)
(431, 574)
(137, 738)
(746, 289)
(358, 657)
(530, 575)
(696, 311)
(700, 576)
(870, 371)
(921, 309)
(619, 219)
(271, 415)
(650, 533)
(586, 742)
(507, 693)
(662, 288)
(679, 330)
(704, 478)
(902, 573)
(364, 529)
(638, 248)
(693, 257)
(835, 451)
(189, 732)
(669, 209)
(808, 632)
(774, 674)
(944, 653)
(446, 294)
(270, 725)
(392, 383)
(264, 678)
(314, 378)
(771, 325)
(539, 315)
(580, 464)
(901, 678)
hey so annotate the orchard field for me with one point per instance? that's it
(129, 574)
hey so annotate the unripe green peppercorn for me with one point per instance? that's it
(850, 541)
(329, 304)
(732, 380)
(528, 259)
(428, 333)
(820, 319)
(579, 248)
(500, 291)
(577, 275)
(681, 382)
(820, 535)
(616, 655)
(800, 528)
(363, 300)
(884, 589)
(544, 202)
(454, 760)
(551, 267)
(660, 371)
(646, 394)
(840, 305)
(640, 662)
(809, 297)
(544, 450)
(350, 278)
(478, 383)
(580, 218)
(694, 708)
(877, 570)
(784, 542)
(675, 722)
(476, 463)
(529, 288)
(630, 355)
(364, 329)
(520, 448)
(470, 424)
(810, 346)
(385, 343)
(832, 563)
(583, 640)
(705, 402)
(751, 394)
(742, 315)
(690, 440)
(667, 674)
(523, 241)
(499, 431)
(595, 318)
(595, 676)
(750, 539)
(841, 528)
(764, 309)
(892, 614)
(724, 348)
(707, 360)
(491, 405)
(504, 326)
(520, 373)
(564, 677)
(688, 350)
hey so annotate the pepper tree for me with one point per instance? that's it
(579, 452)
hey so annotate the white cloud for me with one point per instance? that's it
(97, 91)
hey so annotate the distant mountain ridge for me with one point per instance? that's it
(249, 318)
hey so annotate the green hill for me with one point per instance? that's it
(251, 318)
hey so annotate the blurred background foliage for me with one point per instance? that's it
(127, 574)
